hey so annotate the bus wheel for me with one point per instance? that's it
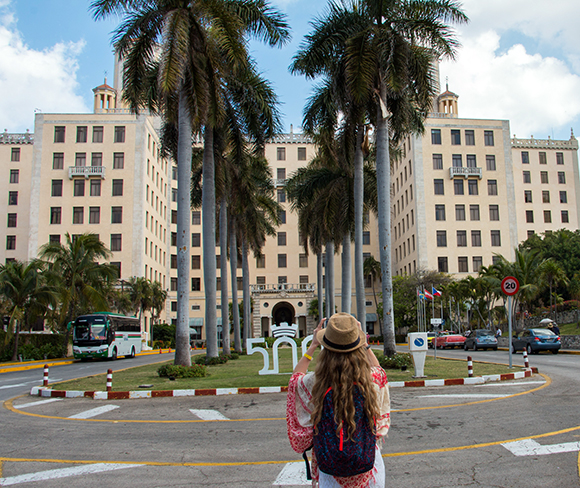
(114, 355)
(132, 355)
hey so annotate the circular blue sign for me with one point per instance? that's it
(419, 342)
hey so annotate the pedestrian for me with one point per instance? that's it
(349, 382)
(555, 328)
(498, 333)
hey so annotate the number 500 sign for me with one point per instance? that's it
(510, 285)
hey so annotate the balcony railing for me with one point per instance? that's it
(465, 172)
(86, 171)
(284, 287)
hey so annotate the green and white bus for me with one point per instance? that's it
(106, 335)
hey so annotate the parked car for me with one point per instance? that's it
(536, 340)
(449, 341)
(481, 339)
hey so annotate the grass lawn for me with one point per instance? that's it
(243, 372)
(569, 329)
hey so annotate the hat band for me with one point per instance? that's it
(342, 347)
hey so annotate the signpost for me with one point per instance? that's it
(510, 286)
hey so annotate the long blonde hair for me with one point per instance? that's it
(343, 372)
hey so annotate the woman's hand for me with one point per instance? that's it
(315, 342)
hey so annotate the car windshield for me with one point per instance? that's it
(543, 332)
(90, 328)
(484, 333)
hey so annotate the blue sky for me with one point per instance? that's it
(519, 61)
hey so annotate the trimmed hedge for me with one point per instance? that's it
(32, 346)
(174, 371)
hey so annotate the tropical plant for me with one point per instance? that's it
(552, 274)
(372, 269)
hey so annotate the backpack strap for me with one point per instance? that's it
(304, 455)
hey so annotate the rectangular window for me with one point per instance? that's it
(12, 219)
(54, 238)
(281, 238)
(559, 158)
(564, 214)
(281, 154)
(195, 284)
(120, 133)
(281, 260)
(439, 212)
(561, 177)
(118, 160)
(174, 264)
(79, 188)
(563, 197)
(282, 216)
(471, 161)
(174, 216)
(261, 261)
(96, 159)
(527, 177)
(80, 159)
(531, 233)
(78, 215)
(547, 216)
(494, 212)
(472, 187)
(545, 196)
(442, 265)
(458, 187)
(462, 264)
(57, 160)
(461, 238)
(95, 190)
(495, 238)
(174, 173)
(301, 154)
(527, 196)
(544, 176)
(196, 261)
(260, 280)
(15, 154)
(459, 212)
(303, 260)
(196, 239)
(174, 239)
(456, 161)
(438, 187)
(281, 173)
(56, 188)
(12, 198)
(117, 188)
(82, 132)
(55, 215)
(490, 162)
(196, 217)
(281, 196)
(455, 137)
(476, 238)
(366, 238)
(469, 138)
(437, 161)
(173, 281)
(525, 157)
(98, 133)
(435, 136)
(441, 238)
(488, 137)
(94, 215)
(116, 242)
(10, 243)
(543, 159)
(530, 216)
(116, 215)
(174, 194)
(474, 212)
(492, 187)
(477, 263)
(59, 133)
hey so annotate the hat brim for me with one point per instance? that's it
(324, 342)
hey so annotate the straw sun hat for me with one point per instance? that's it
(342, 334)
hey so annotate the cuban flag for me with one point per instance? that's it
(436, 292)
(428, 295)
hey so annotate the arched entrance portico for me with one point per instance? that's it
(283, 312)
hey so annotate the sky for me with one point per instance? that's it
(518, 61)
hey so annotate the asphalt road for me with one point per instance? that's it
(517, 434)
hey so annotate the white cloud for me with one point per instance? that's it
(31, 79)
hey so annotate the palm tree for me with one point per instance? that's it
(141, 295)
(552, 274)
(372, 268)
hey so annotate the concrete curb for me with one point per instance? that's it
(124, 395)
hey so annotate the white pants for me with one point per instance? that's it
(328, 481)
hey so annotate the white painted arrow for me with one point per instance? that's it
(208, 414)
(529, 447)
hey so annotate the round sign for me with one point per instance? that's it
(510, 285)
(419, 342)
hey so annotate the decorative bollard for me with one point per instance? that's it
(109, 379)
(45, 380)
(526, 362)
(469, 367)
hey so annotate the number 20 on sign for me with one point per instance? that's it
(510, 285)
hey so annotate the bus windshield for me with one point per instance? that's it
(90, 329)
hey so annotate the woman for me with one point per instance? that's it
(345, 364)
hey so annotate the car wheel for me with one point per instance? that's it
(554, 351)
(514, 349)
(495, 348)
(475, 347)
(114, 355)
(529, 349)
(465, 348)
(132, 355)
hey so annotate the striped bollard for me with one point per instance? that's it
(469, 367)
(526, 362)
(109, 379)
(45, 380)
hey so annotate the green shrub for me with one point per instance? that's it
(174, 371)
(204, 360)
(396, 362)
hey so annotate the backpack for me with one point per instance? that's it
(336, 455)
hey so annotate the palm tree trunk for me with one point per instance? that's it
(329, 278)
(238, 346)
(224, 275)
(14, 324)
(346, 286)
(320, 279)
(384, 222)
(358, 228)
(182, 354)
(246, 293)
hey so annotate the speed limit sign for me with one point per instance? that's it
(510, 285)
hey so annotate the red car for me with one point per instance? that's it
(451, 340)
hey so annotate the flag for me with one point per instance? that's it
(420, 294)
(436, 292)
(428, 295)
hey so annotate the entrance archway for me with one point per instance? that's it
(283, 312)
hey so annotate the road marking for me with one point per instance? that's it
(64, 473)
(39, 402)
(292, 474)
(466, 395)
(208, 414)
(5, 387)
(530, 447)
(526, 383)
(93, 412)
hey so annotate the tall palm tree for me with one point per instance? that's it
(141, 295)
(552, 274)
(372, 268)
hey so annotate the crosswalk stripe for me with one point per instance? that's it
(292, 474)
(87, 414)
(208, 414)
(40, 402)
